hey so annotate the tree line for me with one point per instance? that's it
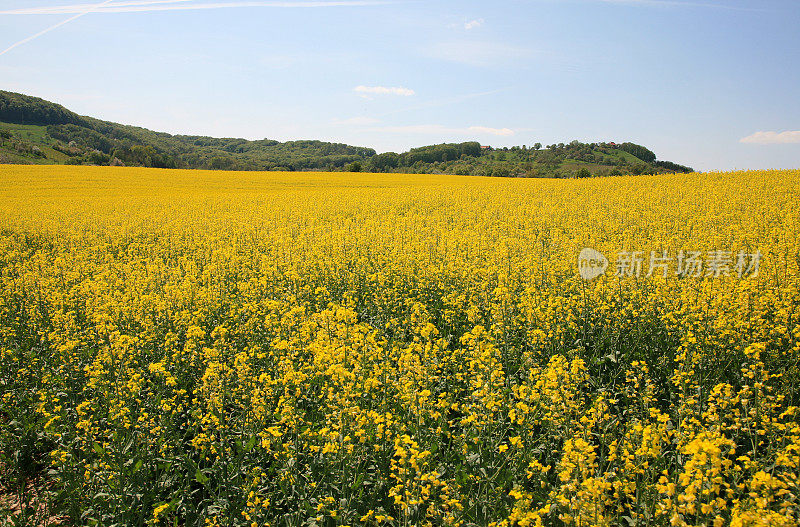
(85, 140)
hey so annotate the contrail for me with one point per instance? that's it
(80, 10)
(67, 21)
(177, 5)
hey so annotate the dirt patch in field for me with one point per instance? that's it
(29, 505)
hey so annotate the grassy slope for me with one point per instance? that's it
(29, 135)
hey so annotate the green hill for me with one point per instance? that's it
(35, 131)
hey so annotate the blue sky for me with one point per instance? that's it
(709, 83)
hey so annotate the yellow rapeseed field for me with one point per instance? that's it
(194, 348)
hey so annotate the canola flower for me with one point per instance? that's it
(265, 349)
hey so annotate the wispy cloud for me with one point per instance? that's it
(475, 53)
(440, 130)
(773, 138)
(366, 121)
(366, 91)
(436, 103)
(357, 121)
(491, 131)
(472, 24)
(677, 3)
(180, 5)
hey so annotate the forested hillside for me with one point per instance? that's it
(35, 131)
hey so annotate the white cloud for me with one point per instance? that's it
(772, 138)
(472, 24)
(179, 5)
(439, 130)
(365, 91)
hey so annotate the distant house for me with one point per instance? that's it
(486, 147)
